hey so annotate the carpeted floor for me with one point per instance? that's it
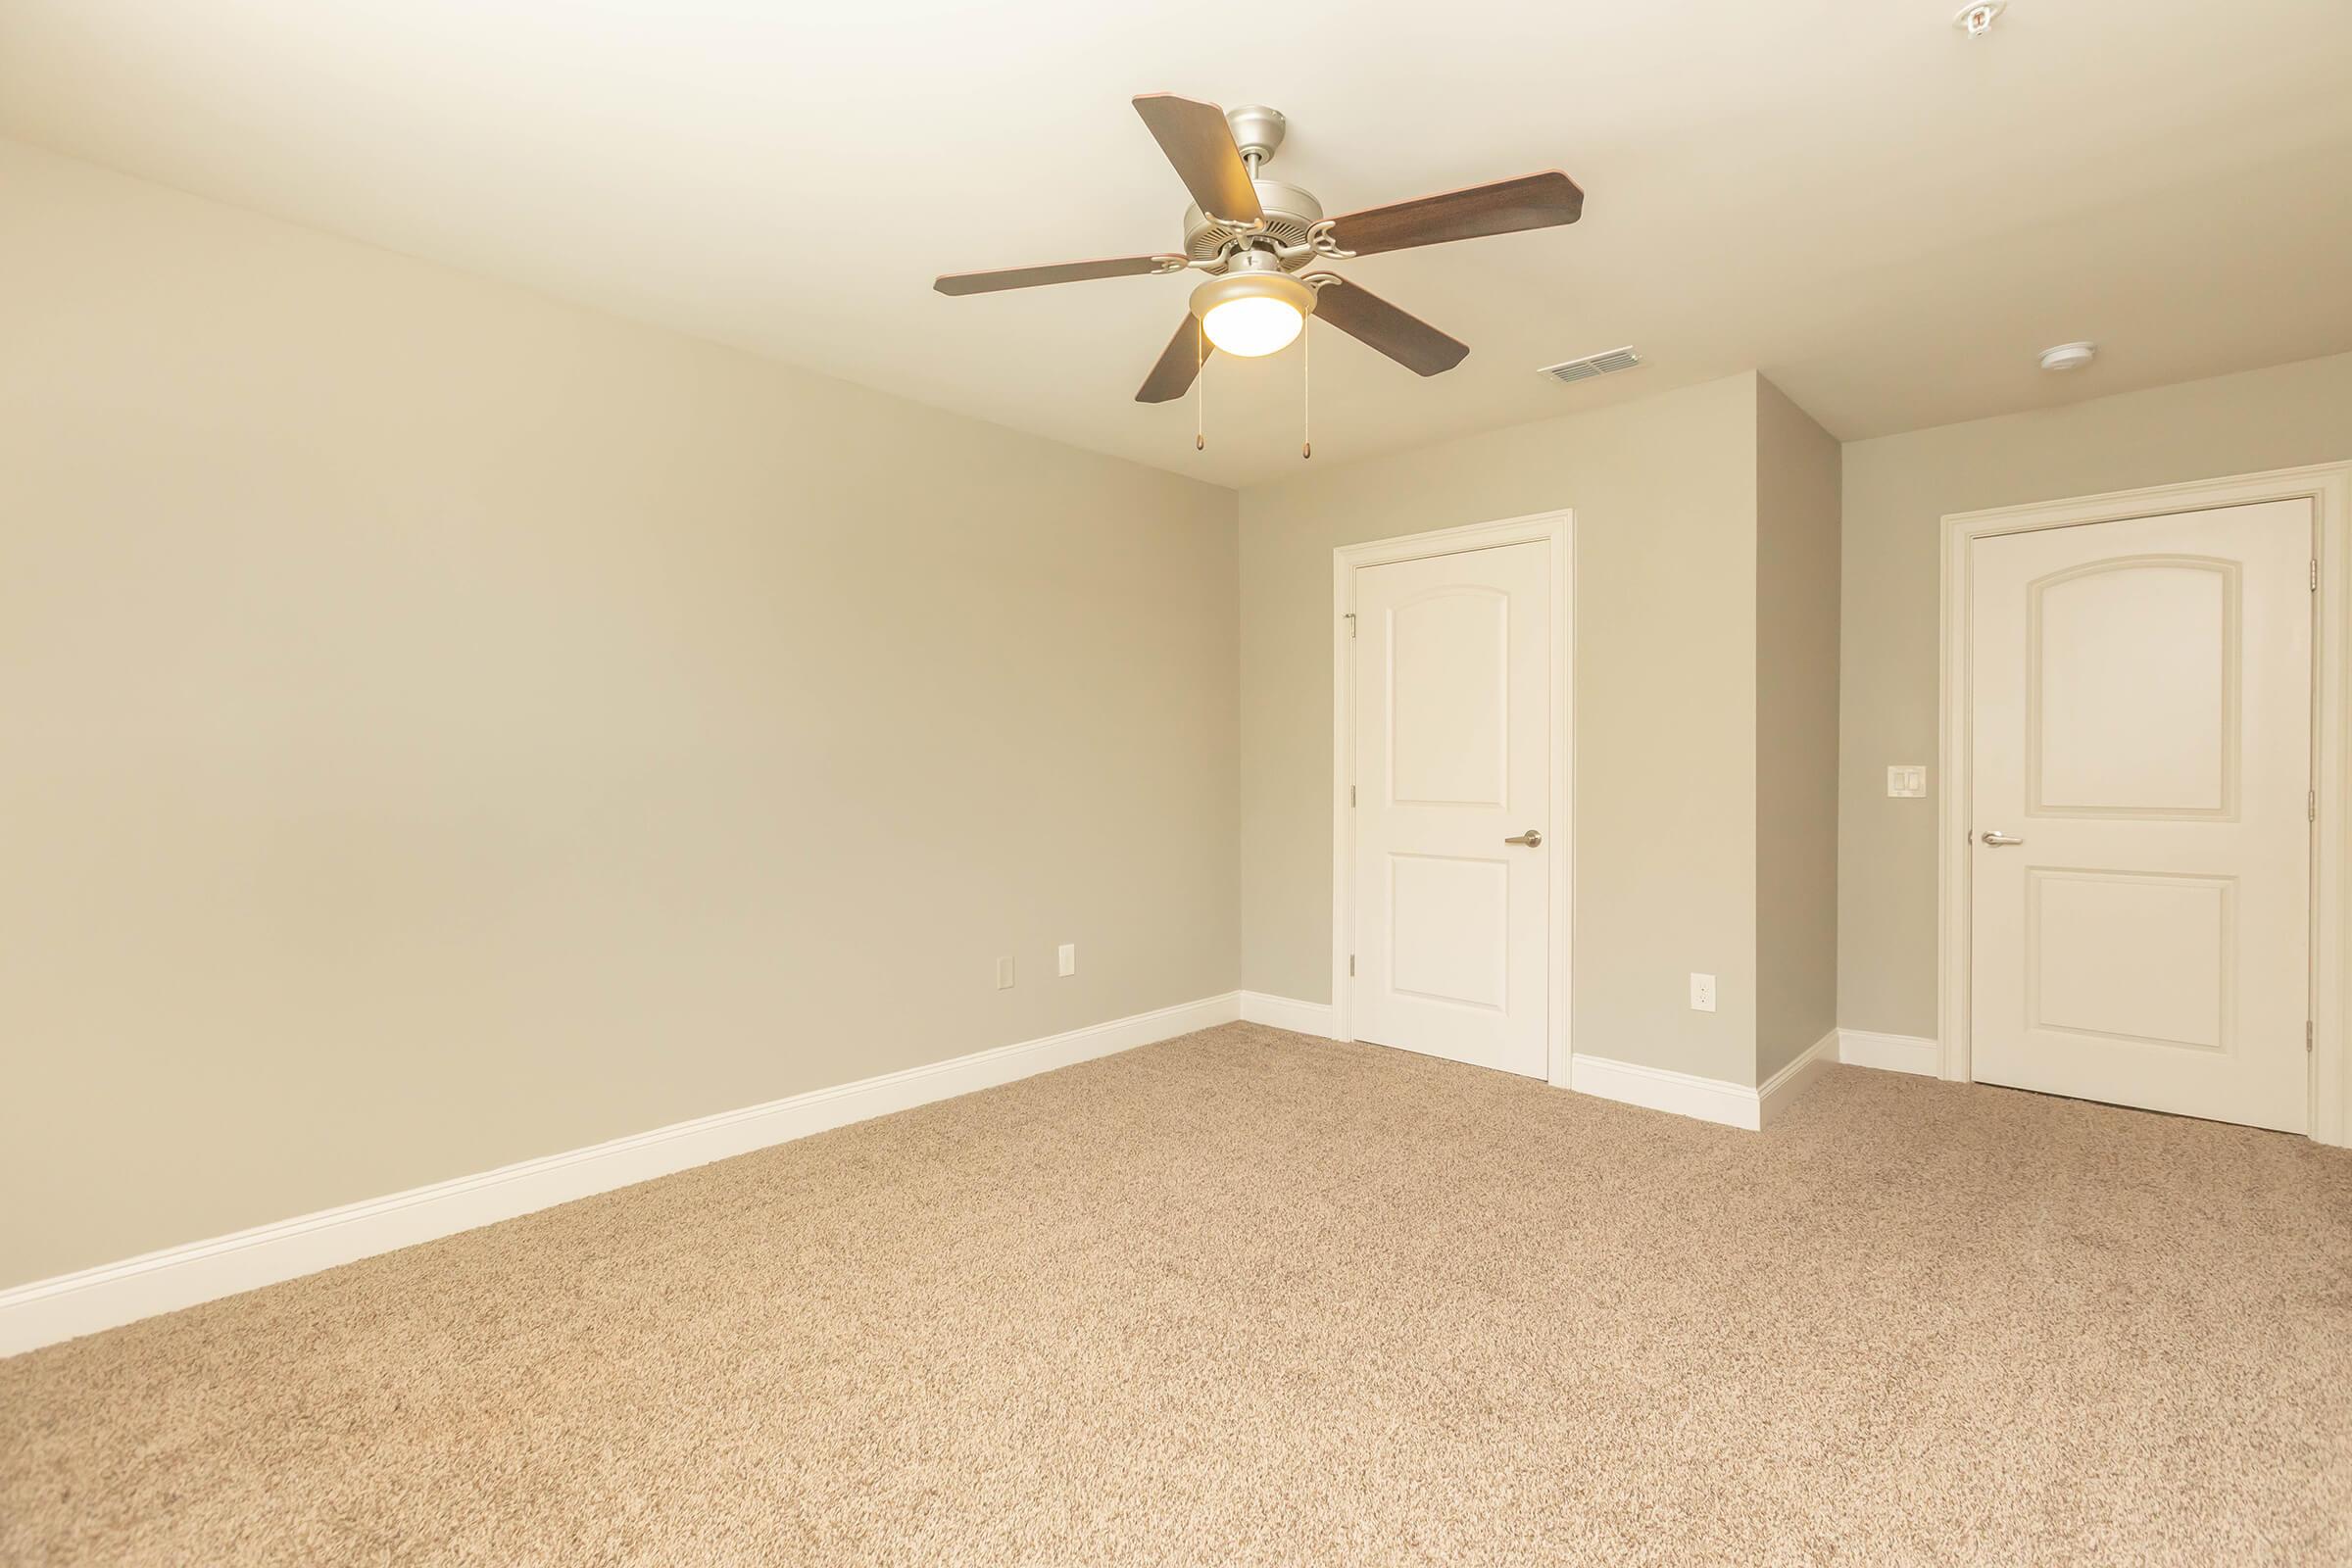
(1248, 1297)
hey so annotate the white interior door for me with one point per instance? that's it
(2140, 816)
(1454, 836)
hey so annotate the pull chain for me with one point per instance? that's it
(1199, 386)
(1307, 397)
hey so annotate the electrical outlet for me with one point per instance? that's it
(1067, 959)
(1005, 972)
(1702, 992)
(1907, 780)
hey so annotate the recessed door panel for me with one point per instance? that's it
(1449, 929)
(1450, 697)
(2133, 666)
(2128, 956)
(2140, 731)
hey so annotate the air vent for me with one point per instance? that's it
(1593, 365)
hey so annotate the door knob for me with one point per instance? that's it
(1999, 839)
(1531, 838)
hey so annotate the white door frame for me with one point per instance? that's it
(1559, 529)
(2329, 488)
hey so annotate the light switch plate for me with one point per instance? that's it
(1702, 992)
(1004, 973)
(1068, 959)
(1908, 780)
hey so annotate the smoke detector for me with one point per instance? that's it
(2069, 355)
(1593, 365)
(1976, 19)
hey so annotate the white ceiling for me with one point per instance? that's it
(1887, 218)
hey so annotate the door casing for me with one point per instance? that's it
(1559, 529)
(2329, 488)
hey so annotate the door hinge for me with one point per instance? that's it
(2307, 1036)
(2311, 805)
(2315, 574)
(1351, 966)
(1351, 795)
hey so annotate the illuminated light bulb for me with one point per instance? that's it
(1255, 311)
(1252, 325)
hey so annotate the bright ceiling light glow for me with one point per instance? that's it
(1252, 325)
(1976, 19)
(1254, 313)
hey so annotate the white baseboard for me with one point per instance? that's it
(1859, 1047)
(1658, 1088)
(1779, 1092)
(46, 1311)
(1286, 1012)
(1716, 1099)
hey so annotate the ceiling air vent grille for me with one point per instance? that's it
(1593, 365)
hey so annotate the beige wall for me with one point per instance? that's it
(1665, 496)
(1796, 730)
(1897, 490)
(444, 726)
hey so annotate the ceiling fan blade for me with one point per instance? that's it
(1200, 143)
(1179, 363)
(1532, 201)
(1061, 272)
(1373, 322)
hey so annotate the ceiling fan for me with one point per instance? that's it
(1257, 237)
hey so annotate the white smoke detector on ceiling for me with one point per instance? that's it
(1976, 19)
(2069, 355)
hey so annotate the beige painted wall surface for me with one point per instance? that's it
(1664, 494)
(1796, 730)
(444, 726)
(1897, 490)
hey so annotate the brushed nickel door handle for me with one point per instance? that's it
(1531, 838)
(1999, 839)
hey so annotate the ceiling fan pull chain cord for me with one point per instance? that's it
(1199, 386)
(1306, 392)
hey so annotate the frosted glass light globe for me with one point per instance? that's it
(1253, 312)
(1252, 324)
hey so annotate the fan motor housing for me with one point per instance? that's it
(1290, 212)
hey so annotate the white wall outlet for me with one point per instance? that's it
(1702, 992)
(1907, 780)
(1067, 959)
(1005, 972)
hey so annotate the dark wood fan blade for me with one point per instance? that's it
(1061, 272)
(1179, 363)
(1373, 322)
(1200, 143)
(1532, 201)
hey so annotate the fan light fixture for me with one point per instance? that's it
(1265, 242)
(1250, 313)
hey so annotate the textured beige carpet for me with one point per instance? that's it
(1248, 1298)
